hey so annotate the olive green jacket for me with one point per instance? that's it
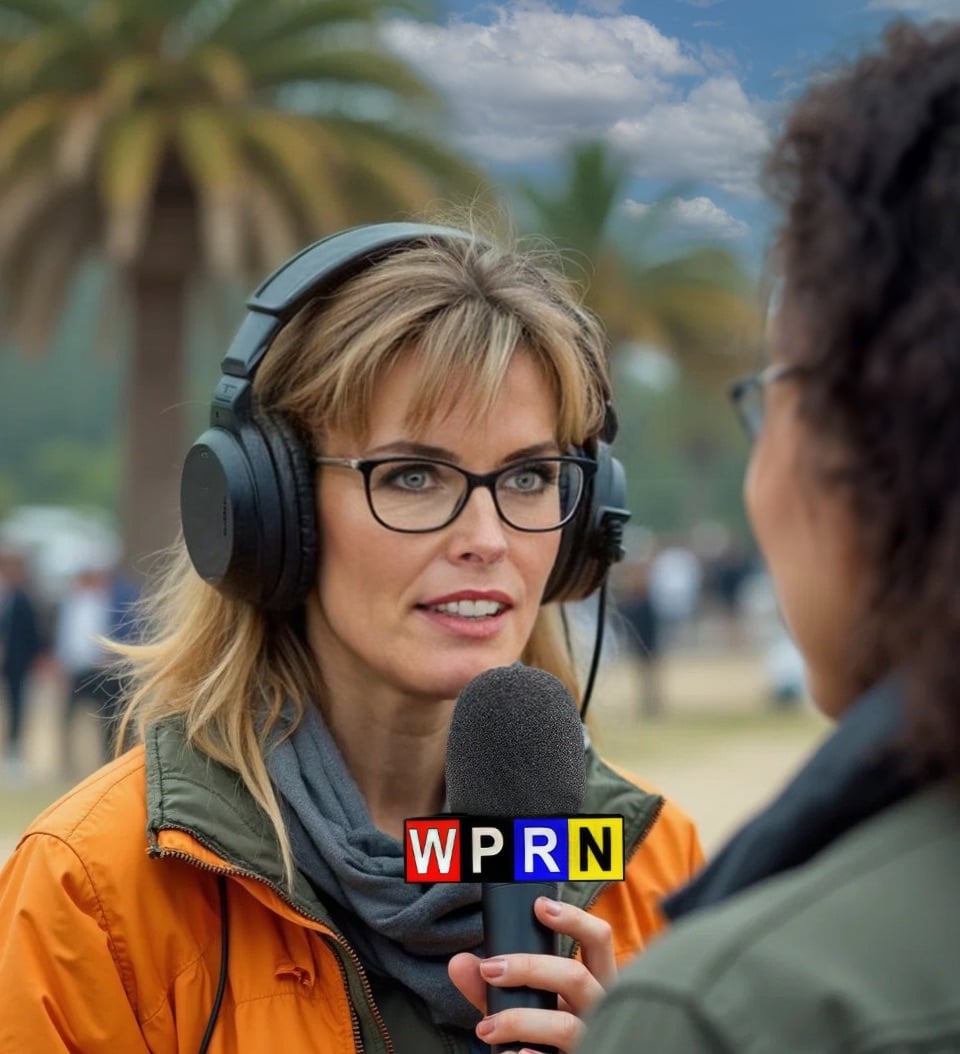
(856, 952)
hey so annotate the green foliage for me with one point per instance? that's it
(698, 304)
(254, 111)
(683, 453)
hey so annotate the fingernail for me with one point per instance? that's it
(485, 1027)
(551, 907)
(493, 967)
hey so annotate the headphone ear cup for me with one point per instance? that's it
(226, 484)
(593, 539)
(299, 546)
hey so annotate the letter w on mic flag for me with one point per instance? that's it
(517, 849)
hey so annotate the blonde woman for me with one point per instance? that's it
(403, 476)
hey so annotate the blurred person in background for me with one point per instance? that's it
(431, 417)
(641, 630)
(674, 580)
(97, 606)
(831, 922)
(20, 648)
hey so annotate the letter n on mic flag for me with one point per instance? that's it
(516, 849)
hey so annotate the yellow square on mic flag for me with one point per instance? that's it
(596, 848)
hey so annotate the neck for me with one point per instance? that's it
(395, 750)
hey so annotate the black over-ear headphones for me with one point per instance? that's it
(247, 496)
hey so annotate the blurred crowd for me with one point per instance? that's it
(701, 591)
(58, 637)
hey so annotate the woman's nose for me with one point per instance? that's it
(479, 531)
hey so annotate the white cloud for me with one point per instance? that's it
(699, 217)
(604, 7)
(714, 134)
(923, 8)
(535, 78)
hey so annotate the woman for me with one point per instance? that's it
(405, 431)
(831, 921)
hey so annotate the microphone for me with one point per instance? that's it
(515, 748)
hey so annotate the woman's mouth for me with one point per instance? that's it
(474, 609)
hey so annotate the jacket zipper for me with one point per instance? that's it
(335, 938)
(638, 841)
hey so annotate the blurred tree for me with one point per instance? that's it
(191, 143)
(697, 304)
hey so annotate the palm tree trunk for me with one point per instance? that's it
(155, 421)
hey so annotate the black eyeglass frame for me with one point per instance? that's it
(758, 381)
(488, 480)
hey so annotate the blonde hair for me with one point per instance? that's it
(225, 667)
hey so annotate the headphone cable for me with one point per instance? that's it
(597, 647)
(224, 956)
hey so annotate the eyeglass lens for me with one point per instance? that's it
(538, 495)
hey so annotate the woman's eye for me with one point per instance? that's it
(410, 477)
(531, 479)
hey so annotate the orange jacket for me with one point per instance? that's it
(112, 932)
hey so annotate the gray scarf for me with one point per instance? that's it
(403, 931)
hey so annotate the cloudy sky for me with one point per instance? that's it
(688, 90)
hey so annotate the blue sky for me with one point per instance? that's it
(688, 90)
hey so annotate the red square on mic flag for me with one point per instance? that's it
(431, 850)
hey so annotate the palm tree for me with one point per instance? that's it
(187, 142)
(696, 304)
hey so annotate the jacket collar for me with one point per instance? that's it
(855, 774)
(190, 792)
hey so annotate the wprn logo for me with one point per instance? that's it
(516, 849)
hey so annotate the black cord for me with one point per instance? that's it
(597, 647)
(224, 957)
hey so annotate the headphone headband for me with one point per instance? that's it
(320, 268)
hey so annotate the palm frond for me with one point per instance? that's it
(222, 71)
(24, 123)
(36, 277)
(82, 126)
(50, 59)
(307, 63)
(22, 16)
(304, 159)
(129, 165)
(447, 167)
(247, 22)
(23, 203)
(213, 158)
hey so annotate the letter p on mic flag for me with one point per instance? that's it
(513, 849)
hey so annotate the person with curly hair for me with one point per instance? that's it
(830, 922)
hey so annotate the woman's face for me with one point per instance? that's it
(397, 614)
(806, 532)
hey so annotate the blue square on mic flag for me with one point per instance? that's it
(540, 849)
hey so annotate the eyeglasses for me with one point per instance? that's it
(416, 495)
(749, 398)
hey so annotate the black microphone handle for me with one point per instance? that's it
(509, 925)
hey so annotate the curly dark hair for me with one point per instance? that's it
(867, 170)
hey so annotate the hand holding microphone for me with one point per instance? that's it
(516, 749)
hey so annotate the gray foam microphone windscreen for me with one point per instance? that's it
(515, 746)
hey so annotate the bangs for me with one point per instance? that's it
(464, 319)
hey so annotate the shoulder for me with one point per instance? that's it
(91, 850)
(101, 807)
(667, 839)
(662, 853)
(864, 937)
